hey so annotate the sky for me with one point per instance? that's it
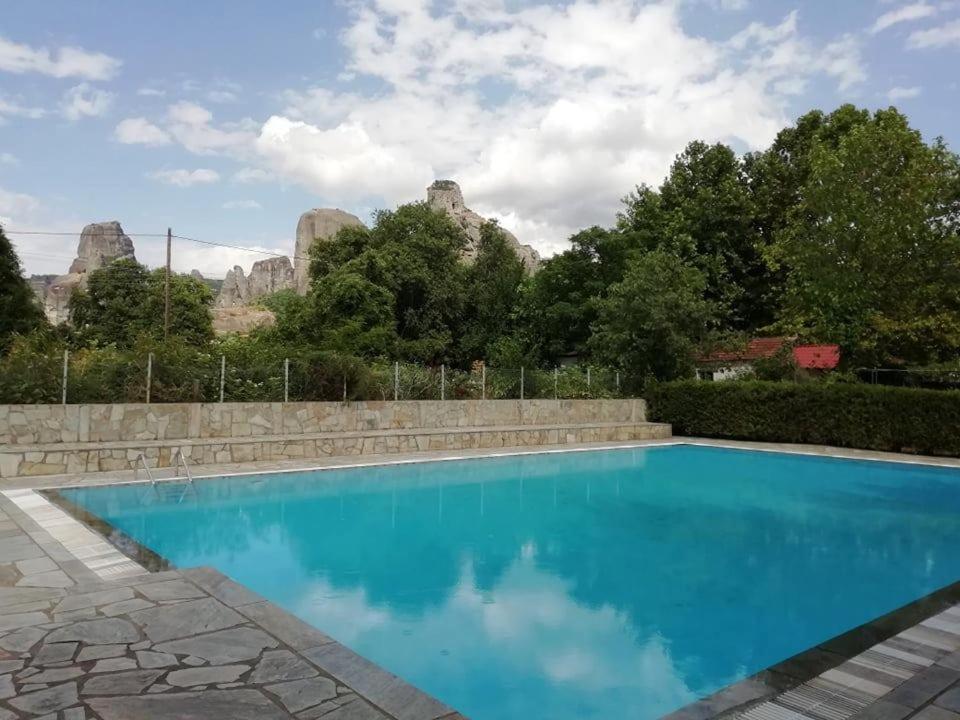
(226, 120)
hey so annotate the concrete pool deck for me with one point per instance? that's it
(87, 633)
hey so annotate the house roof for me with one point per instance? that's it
(809, 357)
(817, 357)
(756, 349)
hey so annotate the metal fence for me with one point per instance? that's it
(103, 378)
(933, 379)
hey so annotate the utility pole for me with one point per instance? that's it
(166, 289)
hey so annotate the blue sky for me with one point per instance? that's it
(225, 120)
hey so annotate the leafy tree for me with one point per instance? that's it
(111, 310)
(291, 311)
(652, 321)
(704, 215)
(493, 291)
(778, 175)
(558, 305)
(413, 254)
(355, 316)
(872, 248)
(190, 302)
(19, 310)
(124, 301)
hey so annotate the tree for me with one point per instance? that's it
(558, 305)
(19, 310)
(872, 248)
(111, 308)
(291, 312)
(123, 301)
(493, 291)
(652, 321)
(703, 213)
(355, 316)
(190, 303)
(413, 254)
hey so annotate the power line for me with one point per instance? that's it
(74, 234)
(239, 247)
(163, 235)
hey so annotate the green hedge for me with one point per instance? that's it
(870, 417)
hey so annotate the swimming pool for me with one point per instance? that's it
(600, 584)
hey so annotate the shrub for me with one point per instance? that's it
(845, 415)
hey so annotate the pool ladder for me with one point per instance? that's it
(179, 463)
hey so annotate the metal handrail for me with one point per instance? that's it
(180, 461)
(142, 460)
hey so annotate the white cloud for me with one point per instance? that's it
(343, 163)
(186, 178)
(65, 62)
(546, 114)
(943, 36)
(907, 13)
(192, 125)
(140, 131)
(16, 205)
(588, 99)
(13, 108)
(221, 96)
(242, 205)
(8, 159)
(842, 60)
(252, 175)
(83, 100)
(904, 93)
(151, 92)
(224, 91)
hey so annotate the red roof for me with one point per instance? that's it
(817, 357)
(809, 357)
(756, 349)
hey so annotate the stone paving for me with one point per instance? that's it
(174, 644)
(915, 673)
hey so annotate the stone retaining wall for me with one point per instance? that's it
(50, 424)
(50, 460)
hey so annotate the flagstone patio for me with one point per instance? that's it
(173, 644)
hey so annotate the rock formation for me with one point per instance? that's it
(266, 278)
(100, 245)
(316, 224)
(445, 196)
(242, 320)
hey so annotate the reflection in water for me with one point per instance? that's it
(584, 585)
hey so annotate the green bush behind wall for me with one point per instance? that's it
(870, 417)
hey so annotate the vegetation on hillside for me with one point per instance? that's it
(846, 229)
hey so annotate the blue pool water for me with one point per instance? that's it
(602, 584)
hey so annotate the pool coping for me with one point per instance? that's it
(392, 696)
(731, 700)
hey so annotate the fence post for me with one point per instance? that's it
(286, 380)
(521, 382)
(396, 381)
(344, 388)
(443, 382)
(556, 383)
(223, 374)
(618, 383)
(483, 382)
(149, 375)
(588, 377)
(66, 362)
